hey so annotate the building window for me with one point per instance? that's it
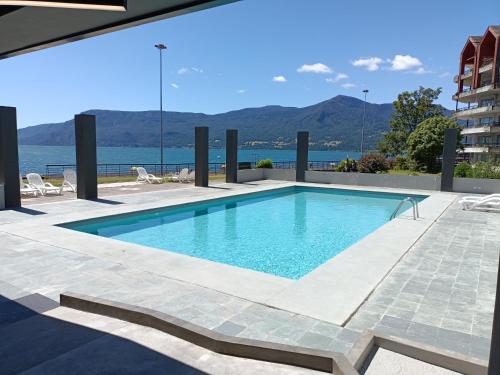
(486, 121)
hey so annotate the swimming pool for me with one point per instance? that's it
(285, 232)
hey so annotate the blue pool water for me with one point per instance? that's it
(287, 232)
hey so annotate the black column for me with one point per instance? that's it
(201, 156)
(9, 159)
(302, 156)
(86, 157)
(232, 156)
(449, 157)
(494, 364)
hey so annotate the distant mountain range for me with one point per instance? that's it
(334, 124)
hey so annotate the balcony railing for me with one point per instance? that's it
(476, 106)
(473, 126)
(490, 144)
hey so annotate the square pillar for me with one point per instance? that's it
(9, 158)
(232, 156)
(201, 156)
(302, 156)
(86, 157)
(449, 157)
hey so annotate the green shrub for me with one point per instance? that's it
(401, 163)
(373, 163)
(266, 163)
(346, 166)
(463, 169)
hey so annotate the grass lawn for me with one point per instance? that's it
(113, 179)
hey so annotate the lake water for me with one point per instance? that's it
(35, 158)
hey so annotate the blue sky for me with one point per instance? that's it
(251, 53)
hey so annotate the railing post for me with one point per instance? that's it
(9, 158)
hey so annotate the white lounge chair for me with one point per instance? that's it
(190, 177)
(35, 181)
(26, 189)
(181, 176)
(489, 202)
(69, 179)
(475, 198)
(144, 176)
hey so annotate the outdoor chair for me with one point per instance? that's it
(35, 181)
(26, 189)
(69, 179)
(144, 176)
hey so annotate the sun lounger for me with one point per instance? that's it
(144, 176)
(190, 177)
(35, 181)
(489, 202)
(69, 179)
(181, 176)
(26, 189)
(468, 200)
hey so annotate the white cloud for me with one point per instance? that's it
(369, 63)
(189, 70)
(348, 85)
(406, 62)
(242, 91)
(422, 70)
(279, 79)
(174, 85)
(445, 74)
(338, 77)
(315, 68)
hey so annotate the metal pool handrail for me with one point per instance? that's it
(414, 205)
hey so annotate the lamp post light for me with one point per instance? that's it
(161, 47)
(363, 127)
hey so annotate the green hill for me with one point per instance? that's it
(333, 124)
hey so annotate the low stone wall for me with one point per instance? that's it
(2, 198)
(381, 180)
(280, 174)
(246, 175)
(460, 185)
(476, 185)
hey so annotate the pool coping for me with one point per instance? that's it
(327, 361)
(306, 296)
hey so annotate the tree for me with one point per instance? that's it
(425, 144)
(410, 109)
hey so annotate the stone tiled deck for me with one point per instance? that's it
(441, 293)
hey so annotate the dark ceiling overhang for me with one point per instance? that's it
(112, 5)
(25, 29)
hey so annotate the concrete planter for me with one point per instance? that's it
(245, 175)
(381, 180)
(476, 185)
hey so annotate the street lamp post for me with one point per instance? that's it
(363, 127)
(161, 47)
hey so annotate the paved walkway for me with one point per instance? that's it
(40, 338)
(441, 293)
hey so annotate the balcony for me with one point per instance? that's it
(481, 147)
(490, 110)
(486, 67)
(466, 76)
(474, 95)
